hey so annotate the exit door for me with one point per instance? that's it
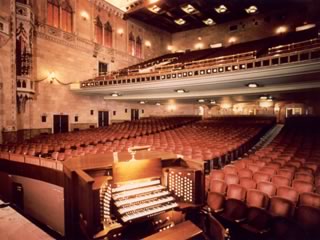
(60, 123)
(134, 114)
(103, 118)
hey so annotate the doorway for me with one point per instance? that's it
(60, 123)
(134, 114)
(103, 118)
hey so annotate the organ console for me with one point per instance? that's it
(134, 199)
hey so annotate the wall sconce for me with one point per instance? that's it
(148, 44)
(120, 31)
(84, 15)
(51, 77)
(232, 40)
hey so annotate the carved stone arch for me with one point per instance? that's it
(138, 40)
(24, 84)
(19, 85)
(131, 36)
(65, 5)
(54, 2)
(108, 27)
(98, 21)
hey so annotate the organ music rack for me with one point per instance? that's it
(117, 199)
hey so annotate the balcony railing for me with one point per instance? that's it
(277, 56)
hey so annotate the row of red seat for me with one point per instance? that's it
(275, 190)
(59, 142)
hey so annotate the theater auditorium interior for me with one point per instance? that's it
(160, 119)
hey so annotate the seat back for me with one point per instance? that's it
(267, 187)
(261, 177)
(216, 174)
(281, 181)
(231, 179)
(215, 201)
(281, 207)
(302, 186)
(288, 193)
(256, 198)
(248, 183)
(215, 229)
(309, 219)
(304, 177)
(247, 173)
(309, 199)
(236, 191)
(218, 186)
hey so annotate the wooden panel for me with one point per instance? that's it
(136, 169)
(182, 231)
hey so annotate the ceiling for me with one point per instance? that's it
(163, 13)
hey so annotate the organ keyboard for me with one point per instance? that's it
(141, 200)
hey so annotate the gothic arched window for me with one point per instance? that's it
(138, 47)
(98, 30)
(66, 17)
(132, 45)
(108, 35)
(53, 15)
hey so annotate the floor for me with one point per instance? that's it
(14, 226)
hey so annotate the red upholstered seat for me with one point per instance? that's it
(267, 187)
(288, 193)
(302, 186)
(248, 183)
(256, 198)
(281, 207)
(231, 179)
(247, 173)
(281, 181)
(261, 177)
(236, 191)
(218, 186)
(309, 199)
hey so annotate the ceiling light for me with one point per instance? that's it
(142, 102)
(188, 8)
(209, 21)
(115, 94)
(154, 9)
(201, 100)
(252, 9)
(252, 85)
(180, 21)
(263, 98)
(212, 102)
(158, 104)
(180, 91)
(221, 9)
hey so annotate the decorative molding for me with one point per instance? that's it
(109, 8)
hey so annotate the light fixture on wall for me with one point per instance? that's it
(84, 15)
(282, 29)
(142, 102)
(52, 78)
(148, 44)
(201, 100)
(158, 104)
(120, 31)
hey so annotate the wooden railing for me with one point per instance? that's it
(277, 56)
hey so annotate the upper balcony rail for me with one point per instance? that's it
(276, 56)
